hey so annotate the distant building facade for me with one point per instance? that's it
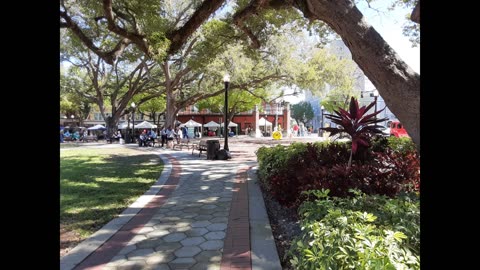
(276, 113)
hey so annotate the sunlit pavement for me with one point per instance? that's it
(201, 214)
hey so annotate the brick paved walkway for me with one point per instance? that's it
(198, 220)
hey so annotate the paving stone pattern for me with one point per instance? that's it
(189, 229)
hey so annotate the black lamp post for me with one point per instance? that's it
(128, 137)
(375, 95)
(321, 123)
(133, 121)
(73, 117)
(265, 127)
(226, 80)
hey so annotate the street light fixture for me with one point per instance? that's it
(73, 117)
(226, 80)
(133, 121)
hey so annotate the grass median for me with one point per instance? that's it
(98, 184)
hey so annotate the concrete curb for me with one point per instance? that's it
(89, 245)
(263, 248)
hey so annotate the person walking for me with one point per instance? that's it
(163, 135)
(170, 136)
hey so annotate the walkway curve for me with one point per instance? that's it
(197, 218)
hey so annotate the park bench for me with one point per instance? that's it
(183, 143)
(90, 138)
(200, 146)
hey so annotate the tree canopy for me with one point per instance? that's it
(160, 31)
(302, 112)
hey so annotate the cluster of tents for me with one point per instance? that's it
(148, 125)
(189, 124)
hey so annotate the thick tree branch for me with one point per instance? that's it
(397, 83)
(179, 76)
(240, 17)
(109, 56)
(180, 36)
(180, 15)
(416, 13)
(136, 38)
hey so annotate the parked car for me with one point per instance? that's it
(397, 130)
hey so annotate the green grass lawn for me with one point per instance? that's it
(70, 145)
(98, 184)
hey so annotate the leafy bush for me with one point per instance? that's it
(286, 172)
(362, 232)
(272, 160)
(379, 144)
(402, 145)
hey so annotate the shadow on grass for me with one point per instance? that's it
(94, 189)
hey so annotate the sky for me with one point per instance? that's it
(389, 25)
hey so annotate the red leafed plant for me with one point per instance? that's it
(356, 123)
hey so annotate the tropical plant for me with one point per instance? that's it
(356, 123)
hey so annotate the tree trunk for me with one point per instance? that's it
(396, 82)
(171, 111)
(111, 127)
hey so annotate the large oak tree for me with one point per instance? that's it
(132, 23)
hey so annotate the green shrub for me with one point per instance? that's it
(362, 232)
(272, 160)
(379, 144)
(402, 145)
(287, 171)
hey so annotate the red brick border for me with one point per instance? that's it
(119, 240)
(236, 247)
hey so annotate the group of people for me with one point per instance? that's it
(147, 138)
(300, 131)
(167, 135)
(73, 136)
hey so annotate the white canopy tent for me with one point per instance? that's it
(191, 123)
(231, 124)
(145, 124)
(265, 125)
(124, 125)
(97, 127)
(261, 122)
(211, 124)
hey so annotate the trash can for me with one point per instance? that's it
(212, 147)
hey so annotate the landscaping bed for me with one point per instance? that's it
(290, 176)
